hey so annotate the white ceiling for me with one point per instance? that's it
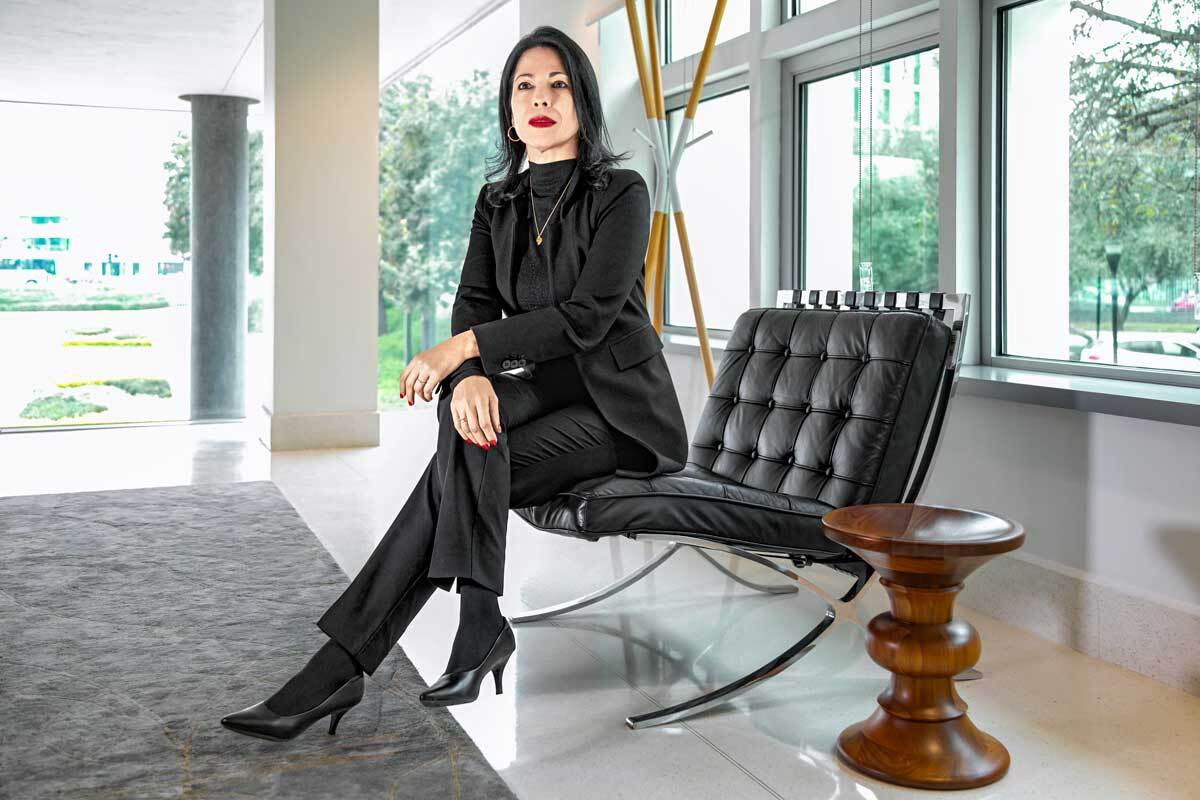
(145, 53)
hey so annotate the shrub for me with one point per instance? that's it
(59, 406)
(152, 386)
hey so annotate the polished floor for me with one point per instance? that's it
(1076, 727)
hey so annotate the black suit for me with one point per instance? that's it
(560, 427)
(598, 316)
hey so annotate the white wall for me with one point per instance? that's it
(1113, 497)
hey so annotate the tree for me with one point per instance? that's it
(903, 214)
(1136, 103)
(432, 152)
(177, 198)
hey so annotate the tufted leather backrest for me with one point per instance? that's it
(824, 403)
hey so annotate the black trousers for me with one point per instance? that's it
(453, 524)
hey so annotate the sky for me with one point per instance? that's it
(100, 168)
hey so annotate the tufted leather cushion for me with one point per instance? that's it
(810, 410)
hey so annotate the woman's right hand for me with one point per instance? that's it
(476, 410)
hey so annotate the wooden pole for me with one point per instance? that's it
(685, 129)
(648, 105)
(666, 194)
(657, 114)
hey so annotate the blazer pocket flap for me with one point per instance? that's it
(636, 346)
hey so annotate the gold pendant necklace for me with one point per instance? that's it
(533, 208)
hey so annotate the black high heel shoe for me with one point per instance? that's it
(258, 720)
(463, 687)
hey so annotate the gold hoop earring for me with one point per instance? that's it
(512, 128)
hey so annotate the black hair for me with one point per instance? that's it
(595, 154)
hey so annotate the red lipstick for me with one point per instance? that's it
(541, 122)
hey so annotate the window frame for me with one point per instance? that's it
(665, 13)
(823, 42)
(820, 64)
(992, 186)
(674, 102)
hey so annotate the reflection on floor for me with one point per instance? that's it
(1075, 726)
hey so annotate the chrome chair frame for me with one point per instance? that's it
(950, 308)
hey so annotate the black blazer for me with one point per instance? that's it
(598, 316)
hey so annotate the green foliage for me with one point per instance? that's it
(254, 316)
(59, 406)
(106, 343)
(904, 220)
(40, 300)
(177, 198)
(392, 360)
(1132, 147)
(156, 387)
(432, 152)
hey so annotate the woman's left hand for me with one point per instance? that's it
(428, 367)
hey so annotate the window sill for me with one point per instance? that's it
(1151, 401)
(688, 344)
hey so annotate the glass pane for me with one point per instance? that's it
(690, 20)
(885, 214)
(88, 192)
(714, 188)
(437, 129)
(1099, 183)
(804, 6)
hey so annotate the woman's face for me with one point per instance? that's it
(543, 106)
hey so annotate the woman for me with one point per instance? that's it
(552, 283)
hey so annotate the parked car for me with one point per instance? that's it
(1185, 302)
(1077, 342)
(1179, 351)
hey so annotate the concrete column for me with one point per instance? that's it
(220, 252)
(321, 221)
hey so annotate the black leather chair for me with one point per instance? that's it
(829, 400)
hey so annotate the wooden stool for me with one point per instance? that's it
(920, 735)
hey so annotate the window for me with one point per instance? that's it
(886, 215)
(714, 187)
(1097, 179)
(688, 21)
(80, 182)
(794, 8)
(429, 180)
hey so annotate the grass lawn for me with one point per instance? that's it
(46, 300)
(151, 386)
(392, 360)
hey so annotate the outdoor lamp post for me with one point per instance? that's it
(1112, 252)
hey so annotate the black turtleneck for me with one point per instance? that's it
(547, 181)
